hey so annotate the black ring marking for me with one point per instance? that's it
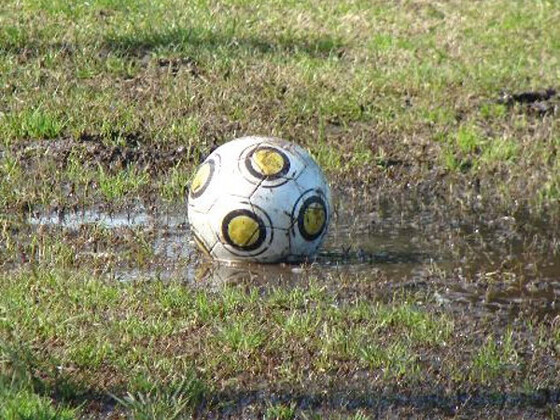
(249, 163)
(301, 217)
(212, 165)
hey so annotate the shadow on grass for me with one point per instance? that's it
(235, 404)
(36, 48)
(21, 369)
(227, 43)
(190, 41)
(379, 401)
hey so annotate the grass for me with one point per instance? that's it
(233, 320)
(20, 393)
(24, 404)
(494, 358)
(280, 412)
(172, 402)
(112, 104)
(35, 124)
(114, 187)
(298, 71)
(160, 350)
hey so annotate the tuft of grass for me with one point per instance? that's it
(35, 123)
(11, 174)
(493, 111)
(241, 336)
(360, 415)
(495, 358)
(49, 251)
(177, 400)
(21, 403)
(550, 191)
(395, 361)
(22, 394)
(174, 187)
(468, 139)
(127, 182)
(470, 150)
(420, 326)
(280, 412)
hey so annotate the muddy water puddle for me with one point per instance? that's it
(502, 264)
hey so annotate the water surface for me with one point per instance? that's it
(501, 264)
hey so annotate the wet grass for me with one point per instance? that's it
(449, 108)
(373, 88)
(72, 342)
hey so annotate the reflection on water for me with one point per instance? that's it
(536, 297)
(73, 220)
(501, 263)
(135, 216)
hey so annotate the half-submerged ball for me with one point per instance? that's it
(259, 199)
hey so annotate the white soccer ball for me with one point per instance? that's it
(259, 199)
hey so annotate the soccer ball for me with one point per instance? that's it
(259, 199)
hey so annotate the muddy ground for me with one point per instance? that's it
(492, 270)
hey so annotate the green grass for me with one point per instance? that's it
(495, 357)
(280, 412)
(159, 350)
(345, 80)
(468, 150)
(35, 124)
(24, 404)
(175, 401)
(21, 394)
(114, 187)
(109, 104)
(101, 340)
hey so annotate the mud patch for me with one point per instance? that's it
(113, 151)
(539, 102)
(422, 403)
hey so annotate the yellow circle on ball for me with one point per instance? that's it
(314, 219)
(200, 177)
(268, 162)
(243, 231)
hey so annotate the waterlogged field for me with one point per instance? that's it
(437, 292)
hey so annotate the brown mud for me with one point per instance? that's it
(113, 151)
